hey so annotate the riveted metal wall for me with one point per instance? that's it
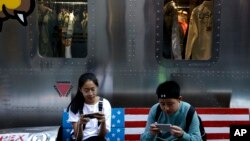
(122, 51)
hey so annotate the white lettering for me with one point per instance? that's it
(239, 132)
(243, 131)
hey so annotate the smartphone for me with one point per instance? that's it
(90, 115)
(93, 115)
(164, 127)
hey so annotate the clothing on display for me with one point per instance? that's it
(175, 25)
(171, 40)
(199, 41)
(46, 24)
(63, 29)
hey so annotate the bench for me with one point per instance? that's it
(128, 123)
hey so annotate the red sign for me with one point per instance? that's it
(63, 88)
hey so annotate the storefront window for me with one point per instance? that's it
(63, 28)
(187, 29)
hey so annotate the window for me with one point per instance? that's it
(189, 30)
(63, 28)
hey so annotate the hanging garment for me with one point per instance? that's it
(171, 32)
(46, 23)
(199, 41)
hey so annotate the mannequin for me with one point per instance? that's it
(84, 24)
(69, 35)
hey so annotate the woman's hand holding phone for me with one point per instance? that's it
(100, 117)
(84, 120)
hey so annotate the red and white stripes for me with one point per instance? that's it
(216, 121)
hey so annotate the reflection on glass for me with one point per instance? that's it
(187, 29)
(63, 28)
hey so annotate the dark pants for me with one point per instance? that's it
(95, 138)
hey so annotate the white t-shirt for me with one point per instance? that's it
(91, 128)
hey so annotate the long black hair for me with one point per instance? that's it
(77, 102)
